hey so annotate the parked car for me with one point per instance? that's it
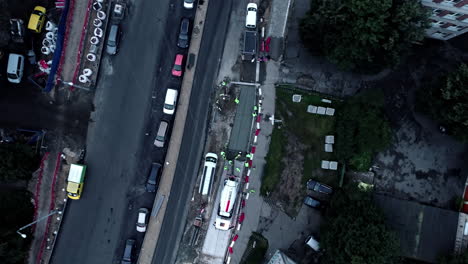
(17, 30)
(311, 202)
(153, 178)
(177, 68)
(170, 101)
(37, 19)
(183, 41)
(251, 18)
(319, 187)
(162, 134)
(128, 252)
(188, 4)
(142, 219)
(112, 46)
(15, 68)
(312, 243)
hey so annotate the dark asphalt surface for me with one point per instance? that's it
(129, 101)
(195, 131)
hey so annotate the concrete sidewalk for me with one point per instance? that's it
(77, 16)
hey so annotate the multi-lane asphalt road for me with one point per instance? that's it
(128, 100)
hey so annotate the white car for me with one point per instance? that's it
(188, 4)
(170, 101)
(251, 18)
(142, 220)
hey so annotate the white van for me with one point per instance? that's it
(15, 68)
(312, 243)
(170, 101)
(209, 171)
(251, 18)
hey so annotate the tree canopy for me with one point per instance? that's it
(364, 35)
(17, 211)
(354, 231)
(445, 99)
(18, 162)
(362, 129)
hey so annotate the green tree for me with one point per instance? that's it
(364, 35)
(445, 99)
(18, 161)
(355, 231)
(17, 211)
(362, 129)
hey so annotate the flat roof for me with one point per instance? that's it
(76, 173)
(240, 133)
(425, 232)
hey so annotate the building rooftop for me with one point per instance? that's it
(425, 232)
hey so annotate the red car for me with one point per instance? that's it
(177, 69)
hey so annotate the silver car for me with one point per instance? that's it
(113, 40)
(161, 135)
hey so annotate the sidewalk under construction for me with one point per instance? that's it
(240, 134)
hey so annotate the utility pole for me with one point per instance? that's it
(38, 220)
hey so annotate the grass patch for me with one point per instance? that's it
(274, 166)
(255, 255)
(310, 129)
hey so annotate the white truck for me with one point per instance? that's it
(226, 204)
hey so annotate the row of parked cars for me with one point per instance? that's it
(318, 188)
(169, 108)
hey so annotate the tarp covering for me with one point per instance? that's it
(58, 49)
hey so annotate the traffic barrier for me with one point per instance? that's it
(91, 57)
(50, 35)
(231, 251)
(97, 6)
(97, 22)
(241, 219)
(248, 172)
(238, 227)
(45, 50)
(98, 32)
(259, 119)
(260, 91)
(255, 140)
(94, 40)
(83, 79)
(101, 15)
(52, 48)
(87, 72)
(247, 187)
(257, 132)
(253, 149)
(50, 26)
(246, 179)
(258, 125)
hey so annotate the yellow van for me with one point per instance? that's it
(37, 19)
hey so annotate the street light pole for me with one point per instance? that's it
(38, 220)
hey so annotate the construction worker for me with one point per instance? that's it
(225, 168)
(238, 156)
(236, 100)
(254, 114)
(223, 154)
(248, 156)
(246, 164)
(255, 108)
(237, 169)
(230, 162)
(252, 191)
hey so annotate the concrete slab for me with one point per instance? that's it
(330, 111)
(239, 139)
(321, 110)
(330, 139)
(333, 165)
(325, 164)
(328, 148)
(312, 109)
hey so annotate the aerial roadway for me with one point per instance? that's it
(129, 101)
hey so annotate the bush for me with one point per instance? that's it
(18, 162)
(362, 129)
(444, 99)
(17, 211)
